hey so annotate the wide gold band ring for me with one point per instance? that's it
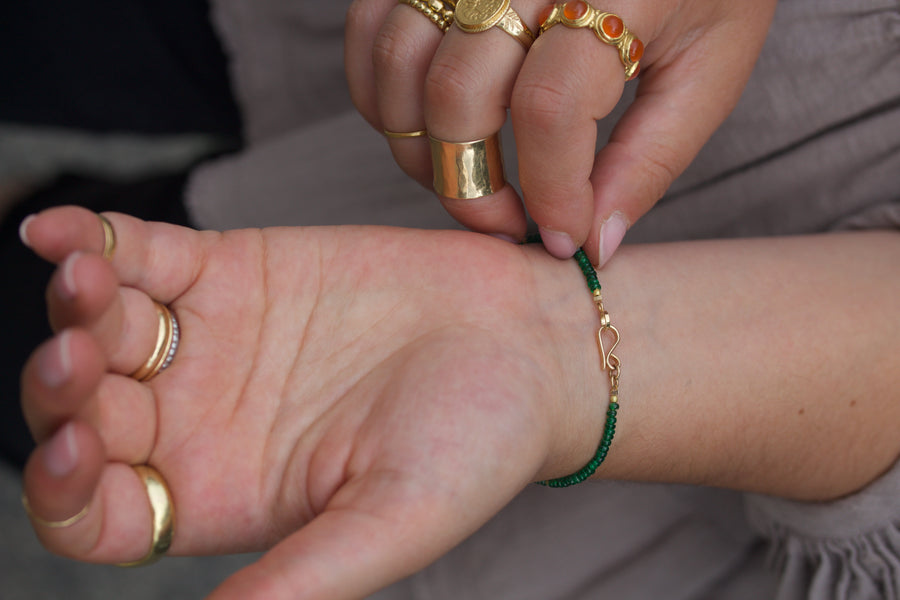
(163, 515)
(403, 135)
(475, 16)
(167, 338)
(109, 238)
(53, 524)
(467, 170)
(439, 12)
(609, 28)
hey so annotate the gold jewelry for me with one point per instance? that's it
(163, 511)
(53, 524)
(402, 135)
(440, 12)
(474, 16)
(167, 338)
(109, 238)
(609, 29)
(467, 170)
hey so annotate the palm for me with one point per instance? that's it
(333, 386)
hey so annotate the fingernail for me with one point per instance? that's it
(558, 243)
(504, 237)
(611, 234)
(54, 365)
(61, 452)
(23, 230)
(67, 282)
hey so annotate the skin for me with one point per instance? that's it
(358, 400)
(406, 75)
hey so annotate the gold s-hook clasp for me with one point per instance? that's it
(610, 360)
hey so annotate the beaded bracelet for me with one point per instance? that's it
(610, 364)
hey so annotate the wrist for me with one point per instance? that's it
(578, 398)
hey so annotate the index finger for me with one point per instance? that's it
(568, 82)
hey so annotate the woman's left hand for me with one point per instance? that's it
(405, 74)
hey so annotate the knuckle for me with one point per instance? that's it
(359, 14)
(543, 106)
(452, 81)
(395, 50)
(661, 169)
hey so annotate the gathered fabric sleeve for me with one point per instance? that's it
(847, 549)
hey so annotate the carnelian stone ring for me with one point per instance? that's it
(609, 28)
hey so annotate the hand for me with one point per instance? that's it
(406, 75)
(337, 396)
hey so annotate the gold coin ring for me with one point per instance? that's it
(475, 16)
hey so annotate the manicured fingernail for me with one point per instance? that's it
(505, 238)
(23, 230)
(54, 366)
(611, 234)
(61, 452)
(558, 243)
(67, 281)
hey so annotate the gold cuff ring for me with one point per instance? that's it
(467, 170)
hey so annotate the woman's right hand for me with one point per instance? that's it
(405, 75)
(357, 403)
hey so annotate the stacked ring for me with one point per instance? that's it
(609, 28)
(475, 16)
(439, 12)
(467, 170)
(167, 338)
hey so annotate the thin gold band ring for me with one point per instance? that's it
(54, 524)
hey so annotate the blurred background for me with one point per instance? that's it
(108, 104)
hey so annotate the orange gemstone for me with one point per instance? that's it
(636, 51)
(612, 26)
(637, 72)
(575, 9)
(545, 14)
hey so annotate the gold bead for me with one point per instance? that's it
(604, 319)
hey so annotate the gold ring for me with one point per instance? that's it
(467, 170)
(402, 135)
(163, 511)
(167, 338)
(53, 524)
(475, 16)
(440, 12)
(109, 238)
(609, 28)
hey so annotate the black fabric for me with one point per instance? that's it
(25, 276)
(144, 66)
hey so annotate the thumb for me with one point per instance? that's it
(677, 108)
(347, 553)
